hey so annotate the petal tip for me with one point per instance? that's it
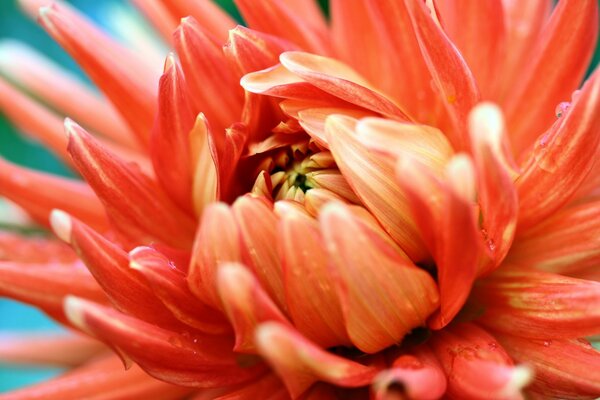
(61, 224)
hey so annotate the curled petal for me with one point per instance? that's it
(566, 243)
(568, 39)
(300, 363)
(246, 303)
(217, 241)
(380, 305)
(476, 365)
(110, 267)
(136, 205)
(110, 381)
(564, 369)
(561, 158)
(371, 177)
(182, 359)
(126, 80)
(497, 193)
(170, 286)
(539, 305)
(310, 295)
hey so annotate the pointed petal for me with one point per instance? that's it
(478, 43)
(246, 303)
(110, 267)
(62, 91)
(443, 209)
(217, 241)
(371, 177)
(568, 39)
(565, 243)
(257, 225)
(539, 305)
(38, 193)
(186, 360)
(125, 79)
(334, 181)
(136, 205)
(214, 87)
(157, 13)
(300, 363)
(310, 295)
(316, 199)
(109, 381)
(170, 286)
(476, 365)
(380, 305)
(418, 373)
(281, 18)
(208, 14)
(170, 135)
(208, 180)
(31, 249)
(454, 81)
(48, 349)
(562, 157)
(45, 285)
(497, 193)
(341, 81)
(565, 369)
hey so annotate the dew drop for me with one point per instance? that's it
(562, 108)
(491, 245)
(547, 343)
(493, 345)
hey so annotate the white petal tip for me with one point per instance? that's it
(61, 224)
(73, 309)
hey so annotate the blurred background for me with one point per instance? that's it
(15, 25)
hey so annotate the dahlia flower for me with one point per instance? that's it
(398, 202)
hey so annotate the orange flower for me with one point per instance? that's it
(386, 205)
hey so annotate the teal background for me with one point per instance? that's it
(13, 24)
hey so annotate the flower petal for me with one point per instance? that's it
(380, 305)
(539, 305)
(170, 286)
(565, 243)
(125, 79)
(136, 205)
(246, 303)
(371, 177)
(214, 87)
(310, 296)
(476, 365)
(562, 157)
(568, 39)
(208, 14)
(183, 359)
(564, 369)
(31, 249)
(300, 363)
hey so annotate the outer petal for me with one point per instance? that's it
(181, 359)
(539, 305)
(568, 39)
(476, 365)
(135, 204)
(125, 79)
(565, 369)
(282, 19)
(38, 193)
(170, 135)
(246, 304)
(214, 87)
(310, 294)
(452, 78)
(169, 285)
(371, 177)
(418, 374)
(482, 45)
(37, 250)
(561, 158)
(109, 381)
(497, 193)
(300, 363)
(269, 388)
(208, 14)
(565, 243)
(382, 304)
(444, 212)
(110, 267)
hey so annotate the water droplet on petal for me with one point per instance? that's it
(562, 108)
(547, 343)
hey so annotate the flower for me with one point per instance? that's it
(387, 205)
